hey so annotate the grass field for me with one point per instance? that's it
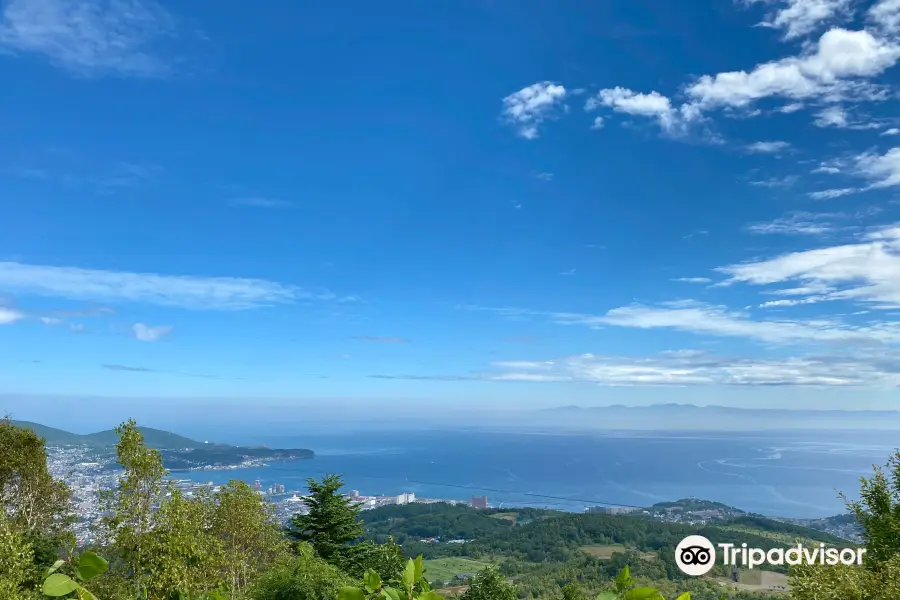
(506, 516)
(446, 569)
(775, 536)
(605, 552)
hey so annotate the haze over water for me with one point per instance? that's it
(791, 474)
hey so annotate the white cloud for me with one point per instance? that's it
(201, 293)
(598, 123)
(695, 368)
(883, 170)
(885, 15)
(833, 116)
(699, 318)
(773, 147)
(653, 105)
(146, 333)
(89, 36)
(836, 116)
(791, 302)
(866, 272)
(833, 193)
(693, 279)
(892, 130)
(9, 315)
(51, 320)
(794, 224)
(791, 108)
(776, 182)
(528, 107)
(829, 68)
(798, 18)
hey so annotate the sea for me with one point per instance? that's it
(796, 474)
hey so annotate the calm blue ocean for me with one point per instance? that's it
(791, 474)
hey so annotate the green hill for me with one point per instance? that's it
(543, 549)
(53, 436)
(155, 438)
(178, 452)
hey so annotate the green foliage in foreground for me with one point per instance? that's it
(89, 566)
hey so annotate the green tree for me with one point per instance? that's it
(131, 505)
(16, 562)
(386, 559)
(332, 521)
(250, 536)
(182, 554)
(303, 576)
(571, 591)
(490, 585)
(30, 497)
(878, 512)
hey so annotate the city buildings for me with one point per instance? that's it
(478, 502)
(610, 510)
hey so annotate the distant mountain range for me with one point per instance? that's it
(690, 416)
(178, 452)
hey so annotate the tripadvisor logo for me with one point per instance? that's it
(695, 555)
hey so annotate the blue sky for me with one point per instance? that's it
(470, 203)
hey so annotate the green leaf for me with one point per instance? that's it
(408, 578)
(431, 596)
(85, 594)
(351, 593)
(53, 569)
(684, 596)
(623, 579)
(58, 584)
(643, 593)
(372, 581)
(91, 565)
(391, 594)
(418, 569)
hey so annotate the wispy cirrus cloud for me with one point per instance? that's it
(867, 271)
(91, 37)
(832, 193)
(180, 291)
(530, 106)
(796, 223)
(697, 368)
(798, 18)
(689, 368)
